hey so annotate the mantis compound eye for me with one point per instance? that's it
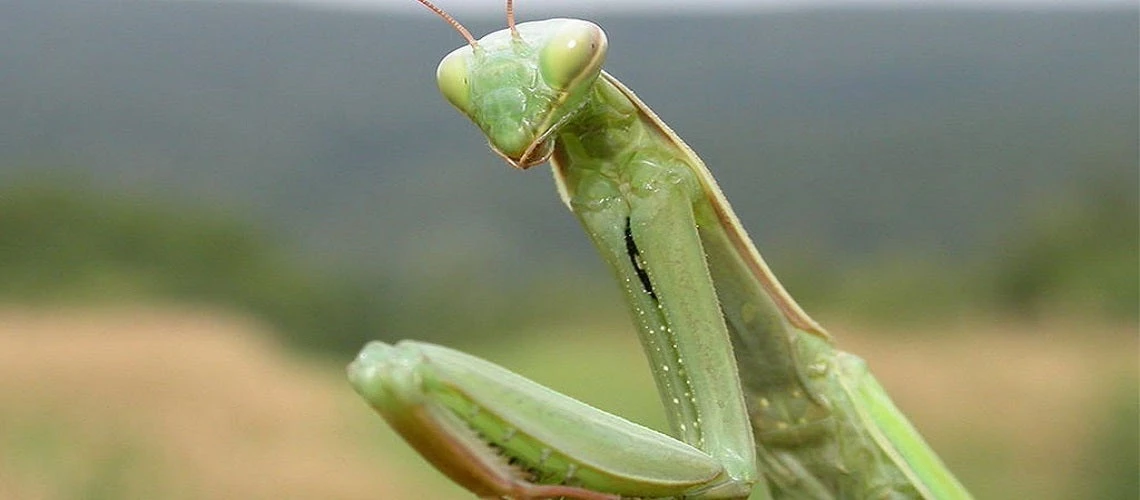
(453, 80)
(574, 54)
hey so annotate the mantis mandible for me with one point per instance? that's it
(758, 399)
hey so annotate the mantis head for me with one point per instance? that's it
(520, 84)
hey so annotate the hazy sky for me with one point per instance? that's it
(554, 6)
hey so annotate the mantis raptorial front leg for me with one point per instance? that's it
(757, 397)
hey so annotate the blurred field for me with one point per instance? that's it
(176, 404)
(183, 403)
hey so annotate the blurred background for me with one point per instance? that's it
(206, 208)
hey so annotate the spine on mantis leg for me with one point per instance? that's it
(502, 435)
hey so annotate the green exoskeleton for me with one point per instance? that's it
(759, 402)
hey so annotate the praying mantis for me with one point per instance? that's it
(758, 400)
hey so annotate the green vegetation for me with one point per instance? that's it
(84, 467)
(63, 244)
(1076, 252)
(1114, 458)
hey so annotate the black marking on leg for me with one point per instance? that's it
(635, 259)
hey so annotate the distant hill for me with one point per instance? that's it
(847, 131)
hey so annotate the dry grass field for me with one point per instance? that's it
(180, 403)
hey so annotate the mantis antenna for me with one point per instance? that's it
(459, 27)
(511, 19)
